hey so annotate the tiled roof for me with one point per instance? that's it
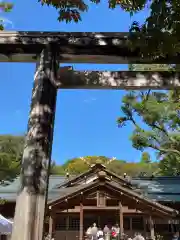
(165, 189)
(158, 185)
(73, 191)
(9, 192)
(158, 188)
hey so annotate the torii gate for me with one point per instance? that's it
(48, 50)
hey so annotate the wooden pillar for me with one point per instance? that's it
(99, 221)
(151, 225)
(172, 227)
(144, 225)
(34, 178)
(130, 219)
(51, 225)
(67, 224)
(81, 222)
(121, 225)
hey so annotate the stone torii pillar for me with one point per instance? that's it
(31, 199)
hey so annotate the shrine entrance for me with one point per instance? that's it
(103, 201)
(47, 50)
(101, 217)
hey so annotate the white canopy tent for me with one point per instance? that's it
(5, 226)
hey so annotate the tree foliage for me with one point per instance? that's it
(78, 165)
(145, 158)
(161, 24)
(4, 7)
(70, 10)
(11, 151)
(56, 169)
(11, 148)
(82, 164)
(159, 128)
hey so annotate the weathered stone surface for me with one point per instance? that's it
(82, 47)
(31, 200)
(117, 80)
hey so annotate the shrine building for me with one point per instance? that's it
(149, 205)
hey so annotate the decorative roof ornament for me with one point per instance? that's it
(102, 174)
(111, 160)
(98, 162)
(85, 161)
(126, 177)
(67, 174)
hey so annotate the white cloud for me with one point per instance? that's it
(89, 100)
(17, 112)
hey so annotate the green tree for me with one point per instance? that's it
(70, 10)
(169, 165)
(4, 7)
(79, 165)
(137, 169)
(145, 158)
(56, 169)
(149, 168)
(82, 164)
(11, 148)
(159, 130)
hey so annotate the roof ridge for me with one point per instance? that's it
(122, 189)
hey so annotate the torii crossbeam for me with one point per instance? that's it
(48, 50)
(74, 47)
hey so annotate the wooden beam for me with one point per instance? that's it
(31, 200)
(130, 227)
(144, 204)
(101, 199)
(121, 224)
(72, 47)
(95, 208)
(69, 79)
(81, 222)
(67, 224)
(67, 218)
(51, 224)
(144, 225)
(151, 224)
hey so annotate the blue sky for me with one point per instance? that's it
(85, 120)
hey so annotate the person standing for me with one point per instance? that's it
(115, 232)
(100, 234)
(94, 231)
(106, 231)
(138, 236)
(88, 233)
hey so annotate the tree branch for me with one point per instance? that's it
(131, 119)
(162, 129)
(168, 150)
(145, 96)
